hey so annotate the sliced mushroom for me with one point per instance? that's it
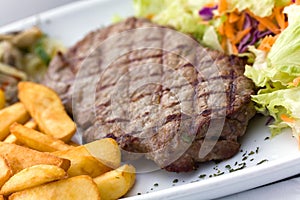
(27, 37)
(10, 55)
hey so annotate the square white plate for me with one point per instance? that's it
(281, 154)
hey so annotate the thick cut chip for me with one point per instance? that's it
(9, 115)
(2, 99)
(31, 177)
(37, 140)
(12, 138)
(92, 159)
(75, 188)
(47, 110)
(5, 172)
(19, 157)
(116, 183)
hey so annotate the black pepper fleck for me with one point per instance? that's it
(202, 176)
(266, 138)
(265, 160)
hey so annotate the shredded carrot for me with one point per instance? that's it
(261, 27)
(279, 16)
(267, 42)
(233, 17)
(222, 6)
(234, 48)
(150, 16)
(296, 82)
(221, 29)
(210, 4)
(241, 34)
(266, 21)
(229, 30)
(224, 43)
(241, 21)
(285, 118)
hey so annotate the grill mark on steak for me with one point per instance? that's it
(157, 118)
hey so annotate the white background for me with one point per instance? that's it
(12, 10)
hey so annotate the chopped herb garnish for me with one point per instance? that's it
(202, 176)
(228, 167)
(261, 162)
(155, 184)
(235, 164)
(257, 148)
(266, 138)
(41, 52)
(175, 180)
(245, 158)
(251, 159)
(244, 154)
(218, 174)
(251, 153)
(138, 193)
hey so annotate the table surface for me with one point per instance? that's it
(286, 189)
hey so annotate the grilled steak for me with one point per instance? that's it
(169, 105)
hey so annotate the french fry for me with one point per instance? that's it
(116, 183)
(5, 172)
(2, 99)
(84, 161)
(12, 138)
(31, 177)
(19, 157)
(106, 150)
(37, 140)
(9, 115)
(75, 188)
(46, 108)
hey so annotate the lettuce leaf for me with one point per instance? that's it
(278, 103)
(183, 15)
(259, 8)
(273, 73)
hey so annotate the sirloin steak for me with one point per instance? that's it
(152, 101)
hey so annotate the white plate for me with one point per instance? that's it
(71, 22)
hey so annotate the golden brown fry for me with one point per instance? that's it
(2, 99)
(106, 150)
(5, 172)
(12, 138)
(84, 162)
(75, 188)
(9, 115)
(20, 157)
(47, 110)
(74, 144)
(31, 177)
(116, 183)
(31, 124)
(2, 197)
(37, 140)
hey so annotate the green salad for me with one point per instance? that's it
(268, 34)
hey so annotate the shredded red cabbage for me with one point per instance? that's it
(253, 36)
(206, 13)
